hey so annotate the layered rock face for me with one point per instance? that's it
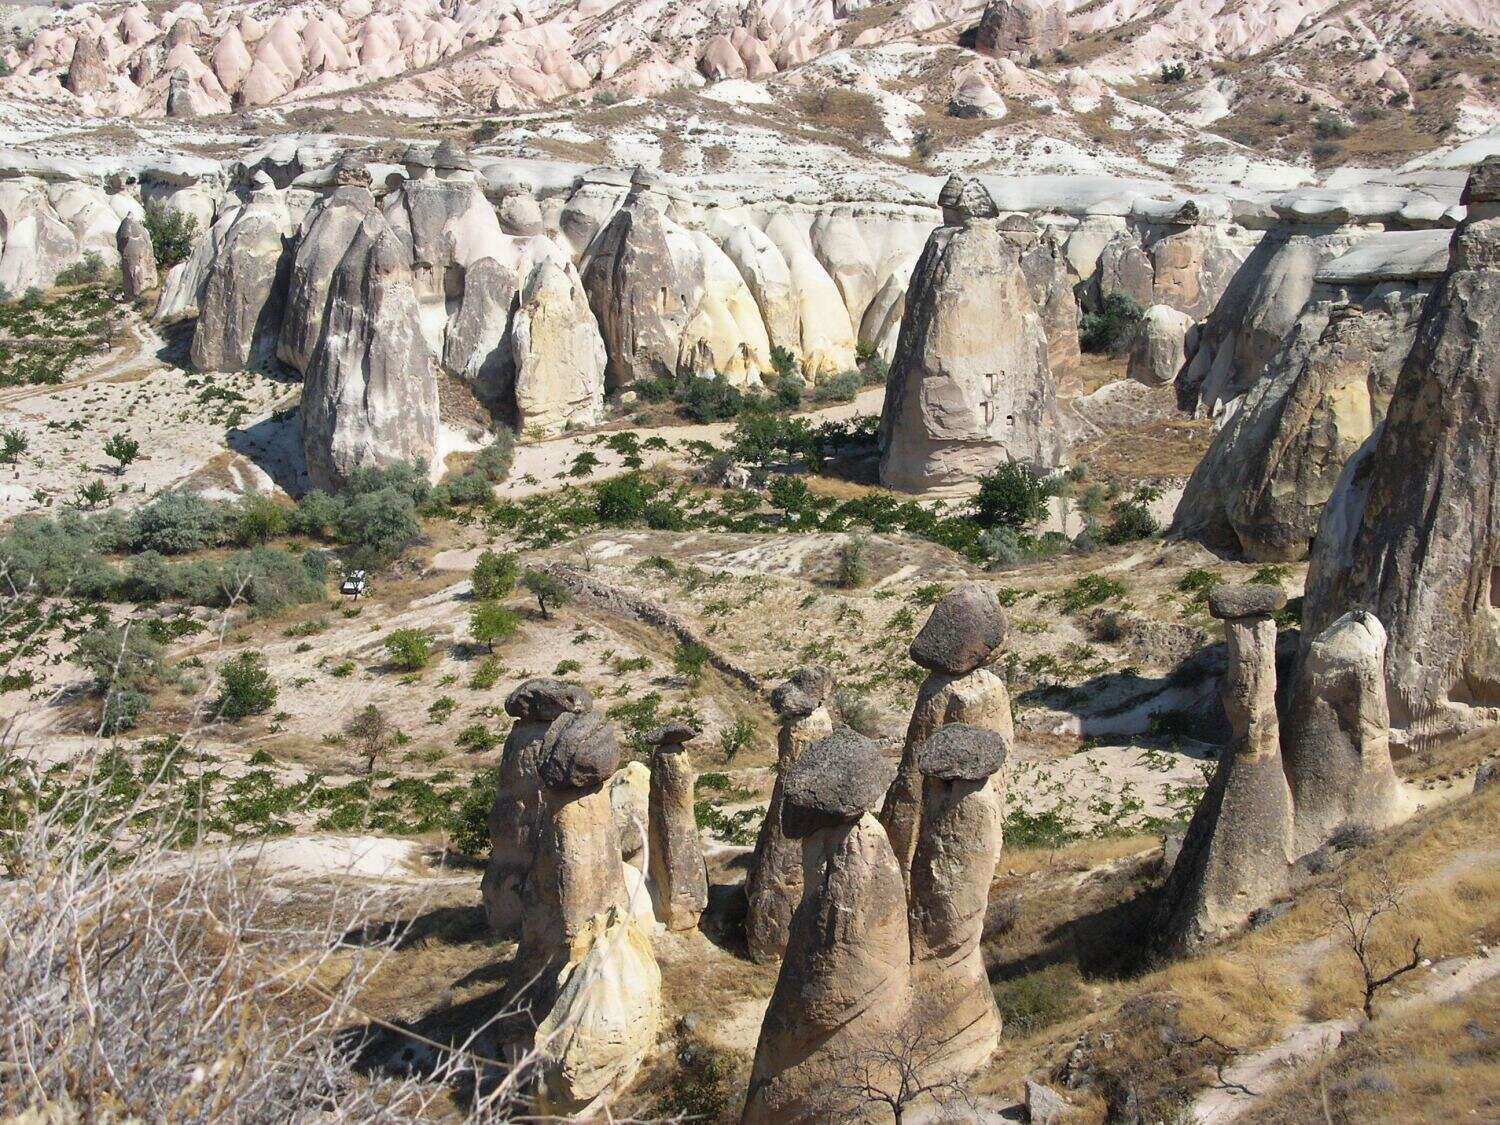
(1410, 533)
(370, 396)
(678, 876)
(1022, 29)
(962, 397)
(1261, 487)
(239, 312)
(137, 259)
(963, 817)
(1337, 738)
(843, 989)
(1237, 851)
(515, 815)
(774, 885)
(962, 635)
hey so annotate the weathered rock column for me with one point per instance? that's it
(137, 258)
(844, 987)
(677, 875)
(576, 872)
(963, 633)
(962, 821)
(1238, 847)
(515, 815)
(774, 885)
(1338, 735)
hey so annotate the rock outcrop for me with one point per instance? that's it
(476, 346)
(1411, 531)
(678, 877)
(961, 397)
(137, 259)
(1022, 29)
(1237, 852)
(963, 817)
(774, 886)
(370, 395)
(326, 235)
(844, 985)
(1161, 346)
(558, 354)
(964, 633)
(239, 314)
(1336, 739)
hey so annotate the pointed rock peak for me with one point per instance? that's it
(964, 198)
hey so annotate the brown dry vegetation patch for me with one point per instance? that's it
(1168, 449)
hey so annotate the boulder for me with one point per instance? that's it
(1022, 29)
(327, 233)
(370, 394)
(678, 876)
(137, 259)
(963, 632)
(1161, 346)
(544, 699)
(975, 96)
(1336, 737)
(969, 386)
(1044, 1105)
(558, 354)
(239, 315)
(580, 751)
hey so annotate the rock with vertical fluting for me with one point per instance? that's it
(1160, 347)
(1412, 532)
(969, 386)
(963, 816)
(370, 395)
(1045, 265)
(327, 233)
(844, 987)
(558, 354)
(678, 876)
(137, 259)
(774, 886)
(475, 346)
(630, 799)
(239, 316)
(1336, 740)
(1237, 852)
(1126, 271)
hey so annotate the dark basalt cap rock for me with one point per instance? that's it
(417, 156)
(1483, 185)
(805, 690)
(963, 197)
(837, 779)
(351, 170)
(579, 752)
(1230, 602)
(1188, 214)
(959, 752)
(449, 157)
(673, 735)
(546, 699)
(964, 631)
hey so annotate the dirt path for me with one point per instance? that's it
(137, 357)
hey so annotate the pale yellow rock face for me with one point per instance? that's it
(558, 352)
(678, 876)
(827, 334)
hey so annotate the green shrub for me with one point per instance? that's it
(789, 494)
(495, 575)
(1039, 999)
(546, 589)
(689, 660)
(853, 571)
(1111, 330)
(90, 268)
(1090, 590)
(1012, 496)
(380, 524)
(622, 499)
(468, 818)
(58, 556)
(491, 622)
(493, 462)
(1131, 518)
(1172, 73)
(409, 649)
(257, 519)
(175, 523)
(838, 388)
(172, 234)
(245, 687)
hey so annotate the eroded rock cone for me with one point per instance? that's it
(1411, 532)
(678, 877)
(1237, 851)
(1337, 737)
(516, 814)
(88, 70)
(774, 885)
(963, 817)
(137, 259)
(239, 316)
(963, 633)
(327, 233)
(969, 385)
(844, 986)
(576, 871)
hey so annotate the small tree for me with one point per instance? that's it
(1353, 917)
(409, 649)
(904, 1068)
(491, 622)
(245, 687)
(546, 589)
(495, 575)
(171, 234)
(853, 572)
(1011, 496)
(688, 659)
(123, 449)
(13, 444)
(93, 494)
(369, 733)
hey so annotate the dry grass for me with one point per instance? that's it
(1168, 449)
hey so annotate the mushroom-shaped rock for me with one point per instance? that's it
(963, 198)
(677, 874)
(844, 987)
(543, 699)
(1337, 737)
(954, 864)
(964, 631)
(774, 885)
(1237, 851)
(580, 751)
(448, 157)
(137, 259)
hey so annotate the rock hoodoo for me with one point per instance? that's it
(966, 629)
(844, 983)
(678, 877)
(137, 259)
(1022, 29)
(1161, 346)
(1336, 738)
(774, 885)
(962, 397)
(1237, 851)
(963, 817)
(1411, 530)
(239, 314)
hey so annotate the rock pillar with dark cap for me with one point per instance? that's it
(844, 987)
(1337, 735)
(576, 871)
(963, 634)
(677, 875)
(774, 885)
(1238, 847)
(137, 258)
(515, 815)
(957, 850)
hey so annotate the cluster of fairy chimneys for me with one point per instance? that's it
(1287, 785)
